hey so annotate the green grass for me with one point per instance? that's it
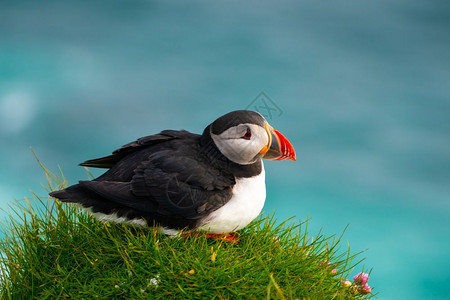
(56, 251)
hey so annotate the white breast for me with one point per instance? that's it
(245, 205)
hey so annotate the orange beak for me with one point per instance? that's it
(278, 148)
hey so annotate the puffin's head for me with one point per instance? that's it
(244, 137)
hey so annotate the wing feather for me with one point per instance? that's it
(170, 184)
(110, 160)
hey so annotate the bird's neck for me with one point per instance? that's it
(215, 158)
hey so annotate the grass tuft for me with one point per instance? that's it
(54, 250)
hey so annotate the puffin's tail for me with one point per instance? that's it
(70, 194)
(77, 193)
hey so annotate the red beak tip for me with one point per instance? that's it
(287, 150)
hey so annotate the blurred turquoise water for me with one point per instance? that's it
(363, 88)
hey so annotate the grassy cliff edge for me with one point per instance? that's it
(53, 250)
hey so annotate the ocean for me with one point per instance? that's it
(360, 88)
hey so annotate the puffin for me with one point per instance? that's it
(179, 181)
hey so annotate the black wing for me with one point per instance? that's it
(171, 184)
(110, 160)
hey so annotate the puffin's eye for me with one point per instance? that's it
(247, 135)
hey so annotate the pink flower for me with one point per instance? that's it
(333, 272)
(361, 278)
(364, 290)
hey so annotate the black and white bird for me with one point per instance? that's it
(213, 182)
